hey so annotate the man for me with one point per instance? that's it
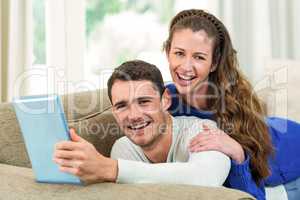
(139, 104)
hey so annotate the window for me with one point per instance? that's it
(37, 81)
(120, 30)
(75, 44)
(81, 41)
(39, 39)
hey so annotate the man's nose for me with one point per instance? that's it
(135, 113)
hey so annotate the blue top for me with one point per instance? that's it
(284, 165)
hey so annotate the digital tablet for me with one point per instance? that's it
(43, 124)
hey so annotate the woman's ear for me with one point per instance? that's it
(167, 56)
(213, 68)
(166, 99)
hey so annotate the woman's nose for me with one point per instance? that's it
(187, 64)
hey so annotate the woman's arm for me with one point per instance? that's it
(240, 178)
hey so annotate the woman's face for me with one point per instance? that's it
(190, 59)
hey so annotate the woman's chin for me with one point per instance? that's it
(183, 89)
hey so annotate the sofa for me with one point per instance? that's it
(90, 114)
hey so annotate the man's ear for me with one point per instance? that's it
(166, 99)
(113, 113)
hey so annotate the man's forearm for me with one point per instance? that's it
(199, 171)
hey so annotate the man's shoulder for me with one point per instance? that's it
(187, 127)
(122, 139)
(121, 146)
(125, 149)
(191, 121)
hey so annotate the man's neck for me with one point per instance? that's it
(158, 152)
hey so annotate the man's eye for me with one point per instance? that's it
(178, 53)
(118, 107)
(143, 102)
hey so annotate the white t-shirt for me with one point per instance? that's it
(207, 168)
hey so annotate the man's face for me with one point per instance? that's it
(139, 110)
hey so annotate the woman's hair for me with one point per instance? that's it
(239, 112)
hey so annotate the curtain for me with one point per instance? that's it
(65, 38)
(15, 47)
(262, 30)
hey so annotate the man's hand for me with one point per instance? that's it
(80, 158)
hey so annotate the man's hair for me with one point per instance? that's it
(137, 70)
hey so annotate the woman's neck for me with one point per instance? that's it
(198, 98)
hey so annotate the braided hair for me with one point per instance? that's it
(199, 13)
(238, 111)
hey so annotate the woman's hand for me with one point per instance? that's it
(215, 139)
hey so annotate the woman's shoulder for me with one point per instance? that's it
(171, 86)
(282, 125)
(284, 131)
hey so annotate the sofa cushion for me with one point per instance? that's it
(100, 130)
(12, 147)
(279, 88)
(18, 183)
(83, 105)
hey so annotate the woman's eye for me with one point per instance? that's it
(199, 58)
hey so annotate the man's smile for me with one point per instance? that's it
(138, 126)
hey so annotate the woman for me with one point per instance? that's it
(209, 84)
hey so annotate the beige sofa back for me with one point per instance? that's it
(88, 112)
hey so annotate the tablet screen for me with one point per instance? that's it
(43, 124)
